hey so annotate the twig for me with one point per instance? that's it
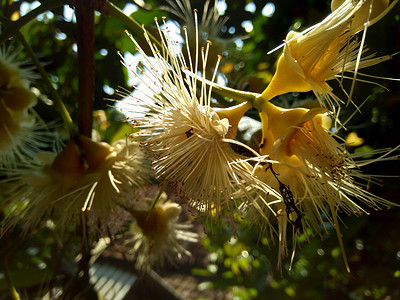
(14, 27)
(56, 97)
(13, 291)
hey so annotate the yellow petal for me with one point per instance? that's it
(276, 121)
(285, 80)
(354, 140)
(234, 114)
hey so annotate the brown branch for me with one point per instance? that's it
(84, 10)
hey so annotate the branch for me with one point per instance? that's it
(84, 11)
(14, 27)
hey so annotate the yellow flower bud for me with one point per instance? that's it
(69, 162)
(5, 76)
(18, 98)
(95, 152)
(277, 122)
(158, 234)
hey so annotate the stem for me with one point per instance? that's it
(254, 99)
(85, 23)
(155, 201)
(113, 11)
(56, 97)
(13, 291)
(83, 264)
(237, 95)
(14, 27)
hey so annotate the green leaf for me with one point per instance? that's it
(26, 278)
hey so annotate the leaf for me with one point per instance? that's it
(26, 278)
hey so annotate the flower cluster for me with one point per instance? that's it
(297, 180)
(301, 174)
(190, 142)
(83, 183)
(86, 176)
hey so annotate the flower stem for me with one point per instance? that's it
(56, 97)
(237, 95)
(254, 99)
(13, 291)
(157, 198)
(13, 28)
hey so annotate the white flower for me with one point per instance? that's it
(158, 234)
(111, 169)
(47, 188)
(86, 179)
(189, 140)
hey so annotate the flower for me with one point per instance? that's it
(314, 174)
(190, 141)
(325, 51)
(20, 135)
(111, 170)
(85, 176)
(47, 188)
(158, 235)
(13, 75)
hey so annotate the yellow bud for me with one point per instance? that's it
(69, 161)
(10, 76)
(280, 124)
(18, 98)
(8, 126)
(156, 221)
(5, 76)
(276, 121)
(95, 152)
(354, 140)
